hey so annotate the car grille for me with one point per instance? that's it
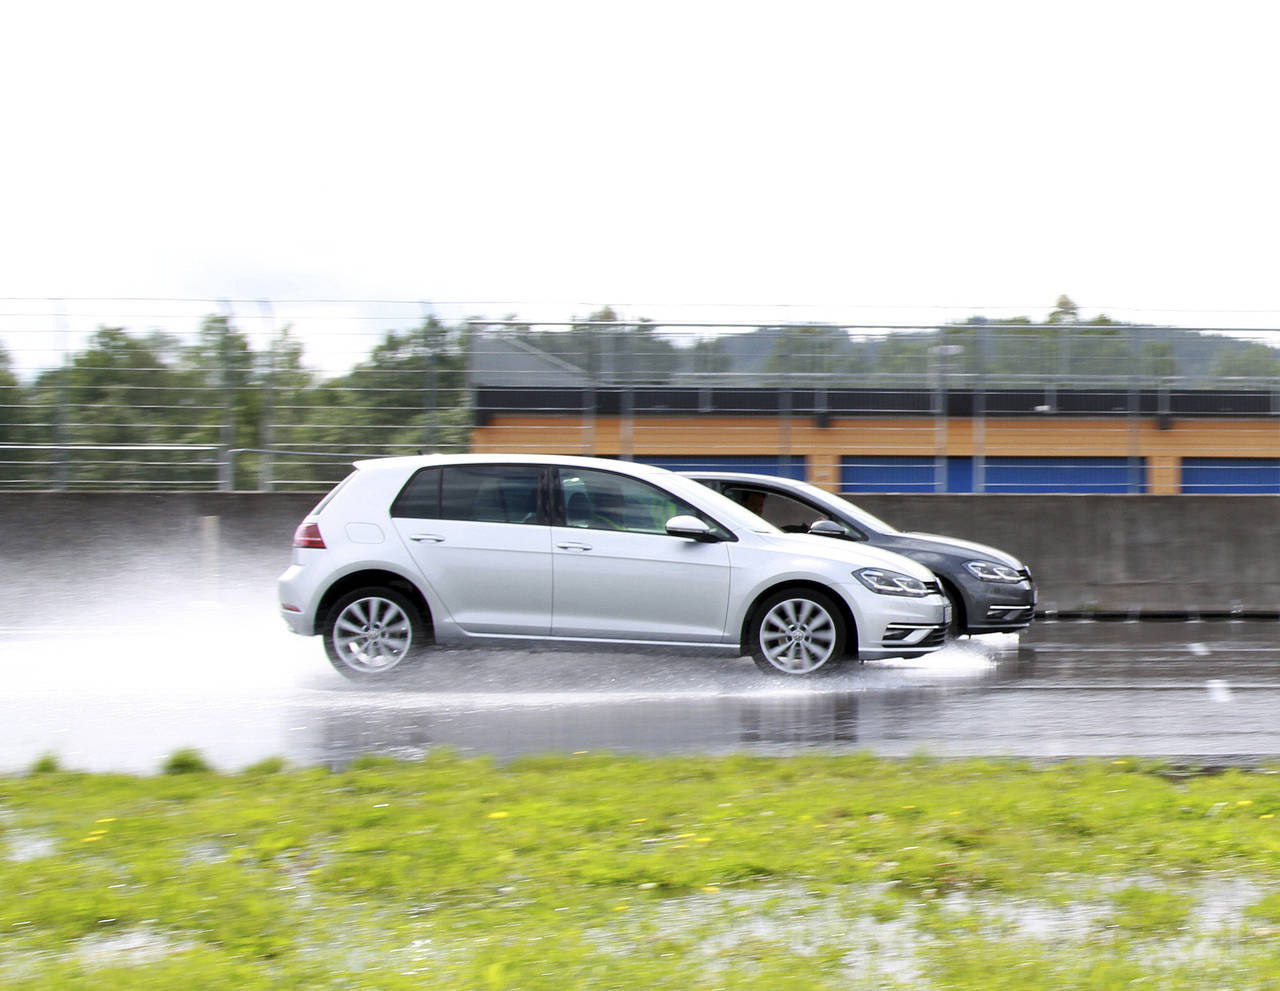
(933, 587)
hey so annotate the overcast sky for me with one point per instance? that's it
(867, 161)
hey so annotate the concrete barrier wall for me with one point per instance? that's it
(1117, 553)
(66, 555)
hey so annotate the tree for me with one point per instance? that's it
(411, 394)
(1250, 361)
(124, 392)
(810, 355)
(1064, 311)
(16, 424)
(610, 350)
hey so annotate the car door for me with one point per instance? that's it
(619, 575)
(479, 534)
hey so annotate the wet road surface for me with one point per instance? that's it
(242, 689)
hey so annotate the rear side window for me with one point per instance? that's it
(420, 498)
(473, 493)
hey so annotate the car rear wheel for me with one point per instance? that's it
(373, 632)
(797, 632)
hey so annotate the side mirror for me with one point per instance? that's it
(692, 528)
(828, 528)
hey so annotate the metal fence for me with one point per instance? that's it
(154, 395)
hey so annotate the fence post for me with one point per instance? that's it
(266, 428)
(590, 400)
(979, 431)
(226, 478)
(1136, 465)
(61, 470)
(431, 384)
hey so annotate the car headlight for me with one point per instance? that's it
(891, 582)
(989, 571)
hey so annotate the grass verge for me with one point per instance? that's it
(597, 871)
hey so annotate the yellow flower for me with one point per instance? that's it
(1245, 802)
(498, 815)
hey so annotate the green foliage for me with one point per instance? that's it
(46, 764)
(149, 410)
(186, 761)
(1247, 361)
(139, 394)
(410, 395)
(610, 351)
(591, 871)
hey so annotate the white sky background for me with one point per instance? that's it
(859, 162)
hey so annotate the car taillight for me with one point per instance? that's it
(308, 535)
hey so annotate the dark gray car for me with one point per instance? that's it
(990, 591)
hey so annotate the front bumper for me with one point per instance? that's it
(992, 607)
(914, 628)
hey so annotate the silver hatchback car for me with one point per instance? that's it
(406, 552)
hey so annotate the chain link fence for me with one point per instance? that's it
(200, 395)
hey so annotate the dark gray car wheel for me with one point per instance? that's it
(797, 632)
(373, 632)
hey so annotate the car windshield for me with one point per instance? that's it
(861, 518)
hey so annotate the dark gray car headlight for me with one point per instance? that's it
(891, 582)
(990, 571)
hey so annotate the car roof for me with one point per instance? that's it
(415, 461)
(737, 476)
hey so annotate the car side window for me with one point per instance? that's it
(601, 500)
(472, 493)
(420, 498)
(787, 514)
(490, 493)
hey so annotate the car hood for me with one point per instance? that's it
(845, 552)
(950, 545)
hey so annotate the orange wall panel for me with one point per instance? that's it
(823, 447)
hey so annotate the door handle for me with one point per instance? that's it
(433, 538)
(574, 546)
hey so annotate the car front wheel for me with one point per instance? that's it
(797, 632)
(372, 632)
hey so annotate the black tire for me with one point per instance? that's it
(374, 633)
(797, 632)
(956, 627)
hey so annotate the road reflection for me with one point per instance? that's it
(474, 704)
(124, 698)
